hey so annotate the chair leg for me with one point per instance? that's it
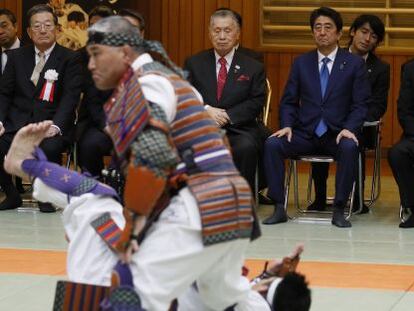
(309, 190)
(287, 184)
(256, 185)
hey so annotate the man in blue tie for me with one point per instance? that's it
(321, 112)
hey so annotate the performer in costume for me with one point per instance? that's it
(180, 178)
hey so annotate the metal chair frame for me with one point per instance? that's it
(292, 169)
(265, 120)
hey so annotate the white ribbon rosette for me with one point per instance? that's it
(48, 89)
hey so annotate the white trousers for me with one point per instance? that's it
(170, 259)
(89, 258)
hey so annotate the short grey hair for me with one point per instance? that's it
(224, 13)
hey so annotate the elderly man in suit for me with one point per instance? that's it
(40, 82)
(322, 109)
(401, 155)
(366, 32)
(233, 88)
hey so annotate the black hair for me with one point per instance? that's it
(374, 22)
(76, 16)
(10, 15)
(41, 8)
(328, 12)
(292, 294)
(133, 14)
(101, 11)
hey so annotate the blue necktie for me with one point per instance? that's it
(324, 77)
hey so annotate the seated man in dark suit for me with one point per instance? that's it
(401, 155)
(366, 32)
(246, 51)
(90, 129)
(8, 36)
(92, 132)
(40, 82)
(322, 110)
(233, 88)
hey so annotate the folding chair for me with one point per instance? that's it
(303, 214)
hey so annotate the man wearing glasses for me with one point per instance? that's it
(40, 82)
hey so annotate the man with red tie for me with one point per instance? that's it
(233, 88)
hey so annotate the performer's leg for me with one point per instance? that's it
(172, 256)
(90, 260)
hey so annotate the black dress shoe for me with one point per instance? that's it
(317, 206)
(409, 223)
(338, 219)
(265, 200)
(46, 207)
(279, 216)
(10, 202)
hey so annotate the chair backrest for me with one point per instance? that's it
(266, 108)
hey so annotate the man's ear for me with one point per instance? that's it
(126, 50)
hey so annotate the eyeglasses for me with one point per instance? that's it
(46, 26)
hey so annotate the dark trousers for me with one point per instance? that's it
(320, 170)
(53, 148)
(245, 155)
(401, 159)
(93, 145)
(279, 149)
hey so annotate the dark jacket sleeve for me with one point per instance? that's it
(361, 93)
(7, 83)
(405, 104)
(379, 95)
(289, 104)
(72, 81)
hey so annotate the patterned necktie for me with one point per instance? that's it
(38, 68)
(324, 77)
(222, 76)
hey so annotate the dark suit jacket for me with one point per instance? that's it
(345, 103)
(251, 53)
(1, 59)
(19, 97)
(91, 112)
(405, 102)
(243, 94)
(379, 79)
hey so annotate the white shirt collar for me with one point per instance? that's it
(15, 45)
(229, 56)
(47, 52)
(365, 57)
(331, 56)
(141, 61)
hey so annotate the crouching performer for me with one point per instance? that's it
(188, 212)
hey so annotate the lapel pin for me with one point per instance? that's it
(341, 67)
(236, 68)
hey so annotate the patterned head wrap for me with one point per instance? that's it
(134, 40)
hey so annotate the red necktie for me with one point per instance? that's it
(222, 76)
